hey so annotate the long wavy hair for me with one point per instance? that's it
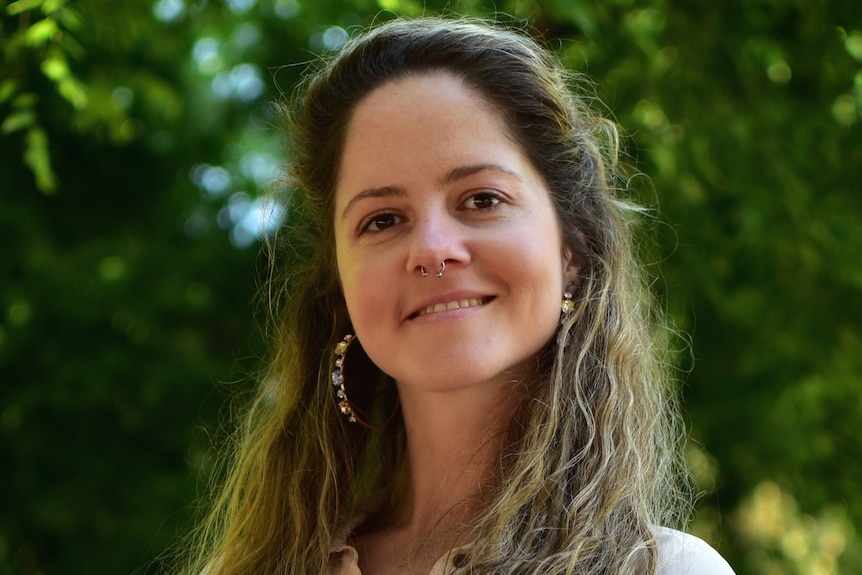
(592, 460)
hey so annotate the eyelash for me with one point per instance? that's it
(394, 219)
(485, 195)
(366, 225)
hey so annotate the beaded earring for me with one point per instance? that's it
(344, 406)
(567, 306)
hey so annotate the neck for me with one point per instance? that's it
(454, 440)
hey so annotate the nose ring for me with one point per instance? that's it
(424, 273)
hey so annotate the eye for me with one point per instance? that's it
(379, 222)
(483, 200)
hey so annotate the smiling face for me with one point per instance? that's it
(430, 175)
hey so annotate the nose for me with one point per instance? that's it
(437, 240)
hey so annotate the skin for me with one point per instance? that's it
(430, 174)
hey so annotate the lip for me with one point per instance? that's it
(453, 301)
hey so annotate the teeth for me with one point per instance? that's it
(451, 305)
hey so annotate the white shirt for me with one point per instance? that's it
(678, 554)
(683, 554)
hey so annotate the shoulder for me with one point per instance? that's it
(683, 554)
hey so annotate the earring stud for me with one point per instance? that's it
(568, 304)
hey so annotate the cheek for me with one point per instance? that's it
(354, 295)
(542, 260)
(349, 276)
(545, 267)
(364, 292)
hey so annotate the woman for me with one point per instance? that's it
(495, 403)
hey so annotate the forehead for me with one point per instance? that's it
(419, 93)
(427, 123)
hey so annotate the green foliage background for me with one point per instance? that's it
(136, 137)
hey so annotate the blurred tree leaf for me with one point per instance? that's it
(36, 157)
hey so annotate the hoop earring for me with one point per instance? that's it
(344, 406)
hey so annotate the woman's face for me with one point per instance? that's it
(429, 175)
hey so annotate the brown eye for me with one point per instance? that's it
(380, 222)
(482, 201)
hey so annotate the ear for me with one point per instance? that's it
(572, 265)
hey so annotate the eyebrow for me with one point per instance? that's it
(462, 172)
(451, 176)
(384, 192)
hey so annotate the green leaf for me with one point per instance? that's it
(51, 6)
(73, 92)
(26, 100)
(38, 159)
(69, 44)
(18, 121)
(22, 6)
(7, 89)
(854, 45)
(55, 68)
(70, 19)
(40, 32)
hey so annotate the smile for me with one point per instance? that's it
(452, 305)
